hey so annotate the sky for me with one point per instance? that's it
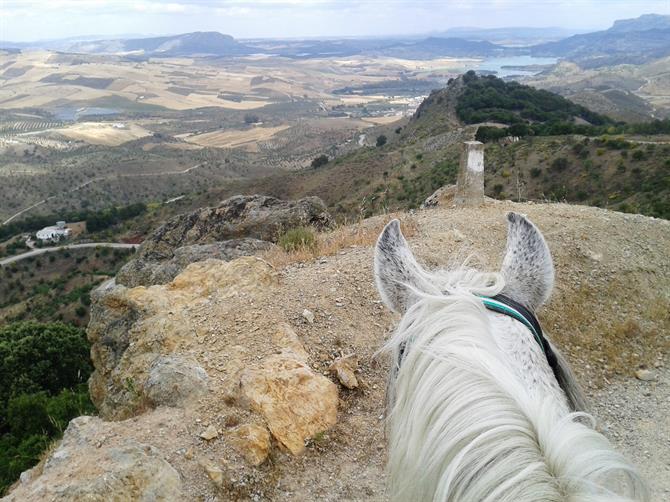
(30, 20)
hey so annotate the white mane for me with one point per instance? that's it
(462, 425)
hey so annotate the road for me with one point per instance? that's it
(40, 251)
(99, 178)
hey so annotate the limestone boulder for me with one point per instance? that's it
(252, 441)
(82, 469)
(136, 335)
(146, 272)
(295, 402)
(175, 381)
(443, 197)
(240, 225)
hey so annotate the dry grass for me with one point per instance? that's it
(362, 234)
(615, 346)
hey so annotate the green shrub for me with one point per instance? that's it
(559, 164)
(319, 161)
(638, 155)
(535, 172)
(381, 140)
(297, 239)
(43, 370)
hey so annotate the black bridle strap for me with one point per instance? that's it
(530, 319)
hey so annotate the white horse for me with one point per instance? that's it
(476, 412)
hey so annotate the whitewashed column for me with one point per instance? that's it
(470, 183)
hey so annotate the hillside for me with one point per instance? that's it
(632, 41)
(187, 44)
(560, 156)
(230, 330)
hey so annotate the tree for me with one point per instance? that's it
(319, 161)
(251, 118)
(381, 140)
(43, 370)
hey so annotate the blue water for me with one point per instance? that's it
(496, 65)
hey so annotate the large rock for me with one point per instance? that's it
(146, 272)
(136, 335)
(81, 469)
(175, 381)
(240, 225)
(296, 402)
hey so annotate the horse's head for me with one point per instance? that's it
(482, 406)
(527, 270)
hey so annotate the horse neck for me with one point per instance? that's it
(526, 360)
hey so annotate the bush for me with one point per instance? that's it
(381, 140)
(559, 164)
(535, 172)
(319, 161)
(298, 239)
(251, 118)
(43, 370)
(638, 155)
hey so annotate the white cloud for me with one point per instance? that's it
(36, 19)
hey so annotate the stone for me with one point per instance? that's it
(146, 272)
(175, 381)
(214, 473)
(240, 225)
(135, 331)
(81, 470)
(295, 402)
(344, 368)
(288, 341)
(645, 375)
(252, 441)
(443, 197)
(308, 315)
(209, 433)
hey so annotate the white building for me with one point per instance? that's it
(55, 233)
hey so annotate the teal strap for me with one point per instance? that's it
(501, 308)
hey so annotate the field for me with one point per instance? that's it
(90, 131)
(247, 139)
(102, 133)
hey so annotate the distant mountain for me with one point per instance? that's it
(189, 44)
(632, 41)
(642, 23)
(436, 47)
(513, 36)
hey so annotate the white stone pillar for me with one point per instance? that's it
(470, 183)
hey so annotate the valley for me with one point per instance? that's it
(206, 207)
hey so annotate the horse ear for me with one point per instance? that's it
(527, 268)
(397, 272)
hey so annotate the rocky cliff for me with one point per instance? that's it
(239, 380)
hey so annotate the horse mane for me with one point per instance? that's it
(463, 428)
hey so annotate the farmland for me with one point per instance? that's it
(86, 131)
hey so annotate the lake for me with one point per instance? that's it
(508, 66)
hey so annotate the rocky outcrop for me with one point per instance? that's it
(146, 272)
(225, 371)
(443, 197)
(239, 226)
(81, 470)
(136, 335)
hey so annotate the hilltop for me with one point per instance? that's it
(187, 44)
(233, 330)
